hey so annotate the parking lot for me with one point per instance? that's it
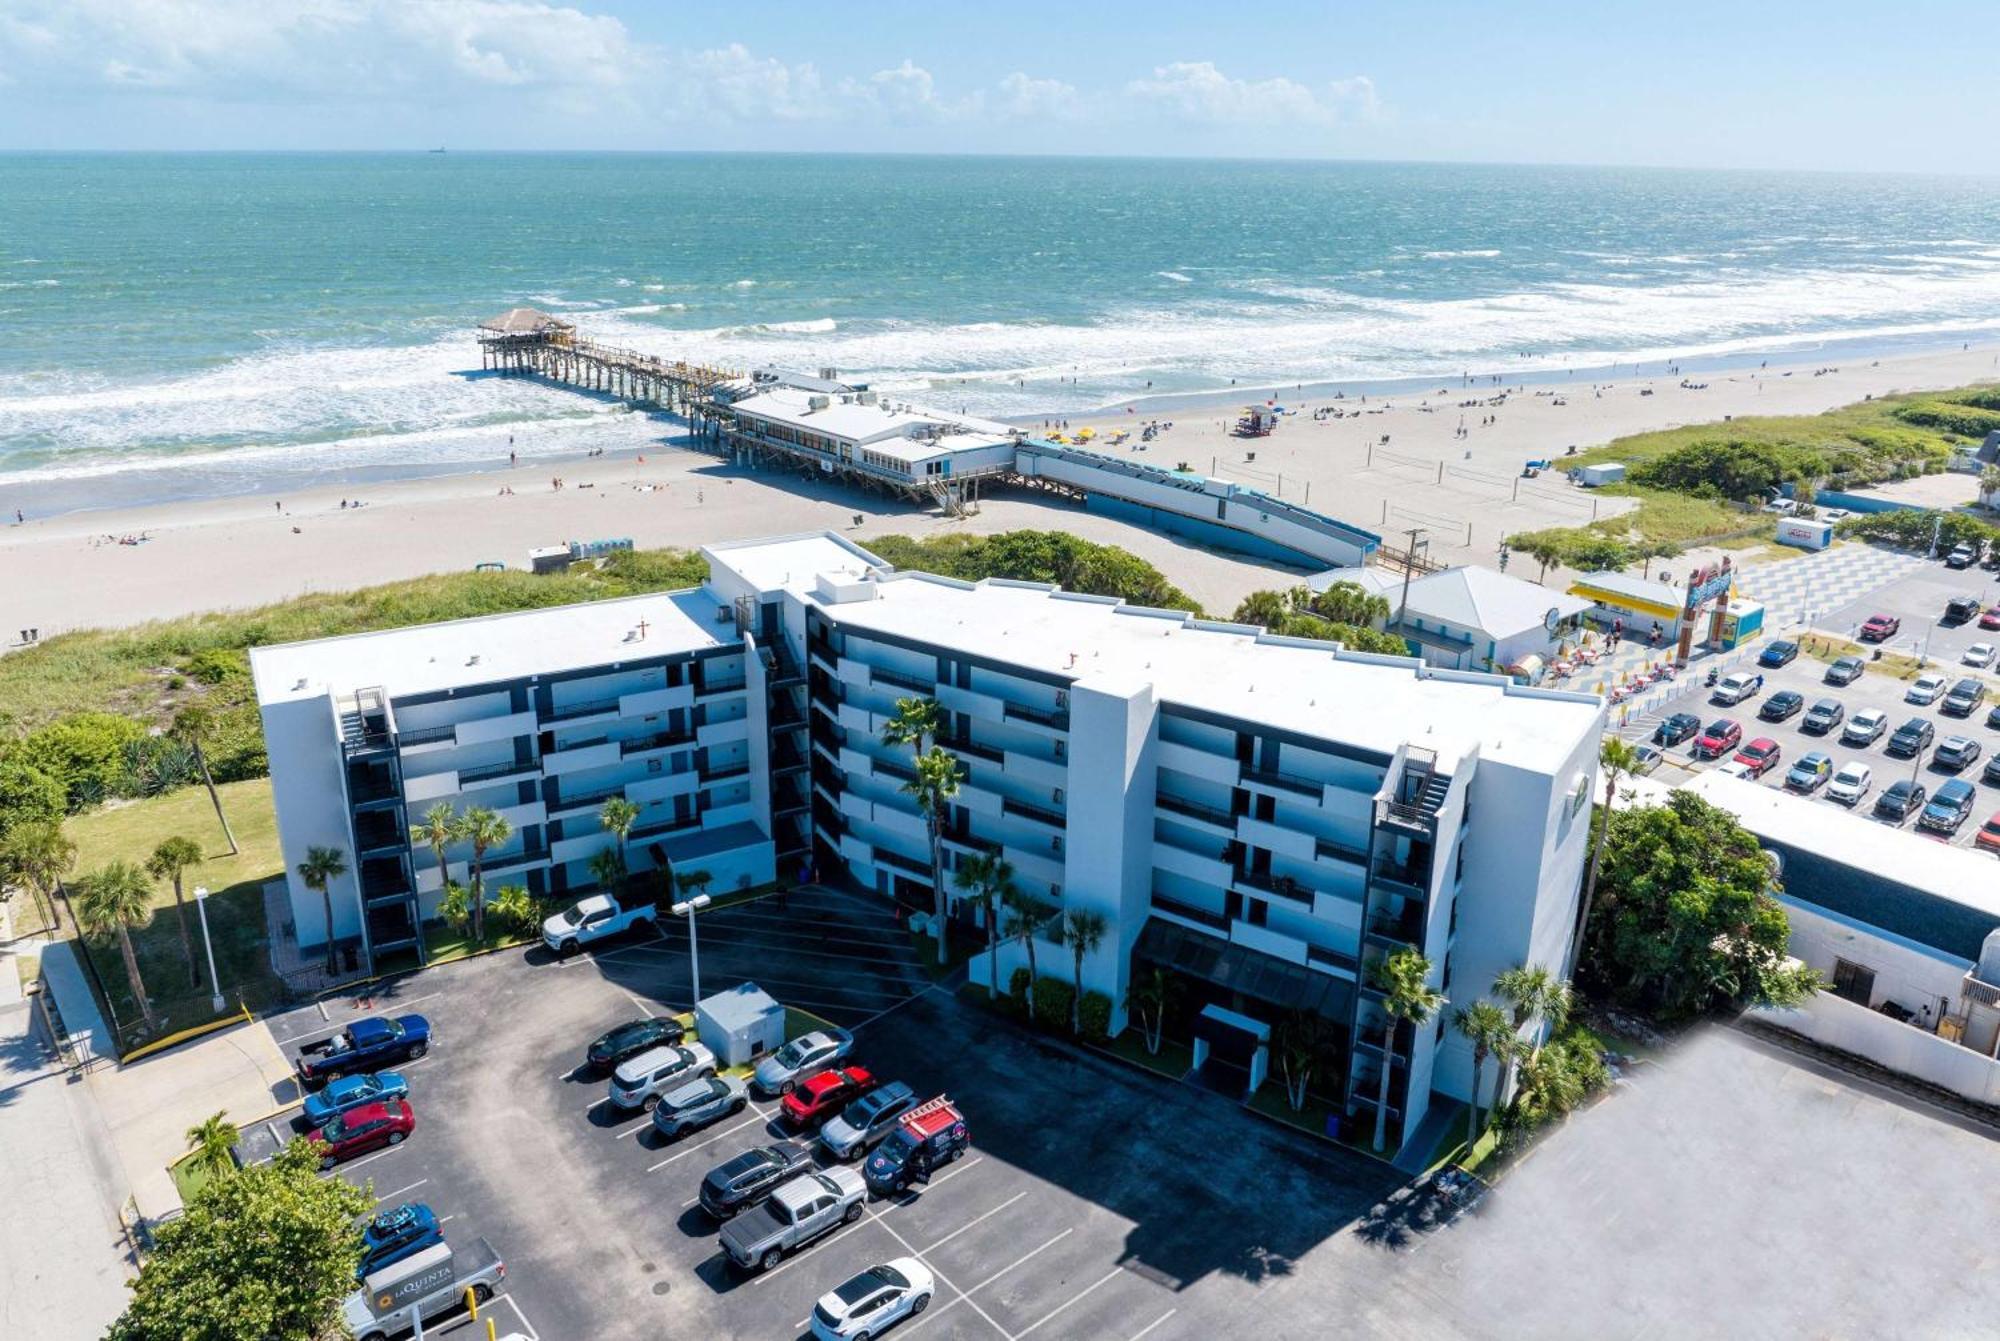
(1097, 1200)
(1918, 599)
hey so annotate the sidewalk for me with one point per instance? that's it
(81, 1021)
(63, 1260)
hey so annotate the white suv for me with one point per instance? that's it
(1850, 784)
(640, 1081)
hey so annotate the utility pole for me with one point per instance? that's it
(1409, 564)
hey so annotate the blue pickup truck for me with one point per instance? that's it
(368, 1044)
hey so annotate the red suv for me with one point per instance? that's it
(819, 1097)
(1760, 756)
(1879, 627)
(1717, 738)
(1989, 835)
(359, 1130)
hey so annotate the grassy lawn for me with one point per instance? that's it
(132, 829)
(236, 926)
(189, 1178)
(1684, 520)
(1173, 1060)
(1271, 1100)
(1823, 648)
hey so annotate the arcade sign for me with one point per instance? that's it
(1707, 583)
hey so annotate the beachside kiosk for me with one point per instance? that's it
(1680, 612)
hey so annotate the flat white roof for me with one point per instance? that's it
(792, 562)
(425, 658)
(1904, 856)
(1473, 597)
(1372, 703)
(887, 426)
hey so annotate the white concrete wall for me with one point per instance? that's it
(308, 789)
(1911, 975)
(1110, 835)
(1836, 1022)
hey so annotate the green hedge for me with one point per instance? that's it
(1969, 421)
(1095, 1014)
(1052, 1002)
(1913, 530)
(1037, 556)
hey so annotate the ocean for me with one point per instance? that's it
(183, 326)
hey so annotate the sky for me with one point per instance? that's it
(1765, 84)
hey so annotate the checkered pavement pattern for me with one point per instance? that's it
(1793, 589)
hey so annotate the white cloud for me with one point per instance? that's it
(732, 84)
(1024, 98)
(1196, 91)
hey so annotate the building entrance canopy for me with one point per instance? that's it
(1237, 968)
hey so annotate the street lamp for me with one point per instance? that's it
(215, 985)
(690, 907)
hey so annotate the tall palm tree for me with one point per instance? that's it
(1082, 931)
(210, 1146)
(1403, 976)
(170, 861)
(192, 725)
(1023, 921)
(618, 815)
(1490, 1032)
(939, 774)
(1268, 609)
(39, 854)
(604, 868)
(987, 877)
(915, 724)
(1538, 997)
(117, 899)
(1616, 758)
(438, 831)
(323, 866)
(484, 828)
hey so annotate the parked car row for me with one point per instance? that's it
(350, 1108)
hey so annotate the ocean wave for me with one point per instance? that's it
(1175, 276)
(1478, 253)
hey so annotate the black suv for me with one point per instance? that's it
(747, 1179)
(1677, 728)
(629, 1040)
(1963, 698)
(1912, 738)
(1959, 609)
(1781, 705)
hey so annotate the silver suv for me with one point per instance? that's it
(686, 1107)
(866, 1121)
(640, 1081)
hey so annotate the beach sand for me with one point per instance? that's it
(62, 573)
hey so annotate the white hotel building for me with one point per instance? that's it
(1262, 817)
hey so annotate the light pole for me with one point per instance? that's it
(214, 983)
(691, 907)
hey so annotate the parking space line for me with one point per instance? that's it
(508, 1299)
(641, 1125)
(970, 1223)
(1067, 1302)
(644, 1009)
(916, 1194)
(350, 1167)
(1151, 1325)
(729, 1131)
(964, 1296)
(898, 1006)
(401, 1190)
(1049, 1243)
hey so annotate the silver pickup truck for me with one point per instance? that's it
(423, 1285)
(800, 1211)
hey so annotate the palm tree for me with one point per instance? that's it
(1616, 758)
(605, 868)
(323, 866)
(1082, 931)
(211, 1146)
(618, 815)
(39, 854)
(1267, 609)
(915, 724)
(193, 724)
(1403, 977)
(170, 860)
(939, 774)
(484, 828)
(437, 832)
(118, 899)
(1538, 997)
(1149, 998)
(1490, 1032)
(987, 877)
(1023, 921)
(691, 883)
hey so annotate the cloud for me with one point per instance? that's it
(1023, 98)
(732, 84)
(1198, 92)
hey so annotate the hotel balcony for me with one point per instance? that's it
(378, 832)
(487, 774)
(708, 689)
(1053, 719)
(1021, 809)
(1188, 912)
(1274, 779)
(575, 712)
(1186, 809)
(909, 684)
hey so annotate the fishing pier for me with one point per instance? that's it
(527, 340)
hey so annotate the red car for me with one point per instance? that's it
(1760, 756)
(819, 1097)
(359, 1130)
(1989, 835)
(1717, 739)
(1991, 619)
(1879, 627)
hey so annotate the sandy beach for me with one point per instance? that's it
(71, 572)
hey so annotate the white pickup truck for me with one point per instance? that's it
(590, 920)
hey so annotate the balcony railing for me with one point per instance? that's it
(1009, 806)
(659, 740)
(877, 674)
(724, 773)
(1407, 925)
(1283, 886)
(1182, 806)
(581, 799)
(570, 711)
(893, 769)
(1331, 851)
(1271, 777)
(966, 745)
(1325, 958)
(1054, 718)
(1402, 873)
(426, 735)
(487, 772)
(707, 688)
(1215, 921)
(371, 786)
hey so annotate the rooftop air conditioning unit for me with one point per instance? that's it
(866, 397)
(829, 374)
(817, 403)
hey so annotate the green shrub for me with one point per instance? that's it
(1095, 1014)
(85, 752)
(1017, 985)
(1037, 556)
(1052, 1001)
(28, 793)
(1970, 421)
(1913, 530)
(218, 665)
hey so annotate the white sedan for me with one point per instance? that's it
(874, 1301)
(1925, 689)
(1850, 784)
(1980, 655)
